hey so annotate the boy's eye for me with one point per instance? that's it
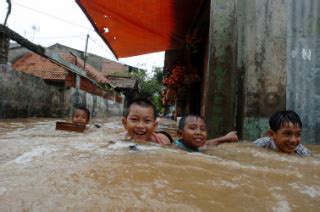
(192, 127)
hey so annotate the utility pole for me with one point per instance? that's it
(85, 52)
(34, 28)
(8, 12)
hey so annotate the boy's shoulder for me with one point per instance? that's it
(267, 142)
(303, 151)
(179, 144)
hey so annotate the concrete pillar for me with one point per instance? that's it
(219, 92)
(4, 47)
(262, 41)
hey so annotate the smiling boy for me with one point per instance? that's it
(193, 133)
(140, 122)
(284, 134)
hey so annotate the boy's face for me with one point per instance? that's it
(80, 117)
(194, 132)
(287, 138)
(140, 123)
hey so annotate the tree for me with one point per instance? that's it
(150, 87)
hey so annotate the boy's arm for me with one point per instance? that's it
(229, 137)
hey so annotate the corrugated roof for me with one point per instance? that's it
(111, 67)
(123, 82)
(91, 71)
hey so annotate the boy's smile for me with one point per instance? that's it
(194, 132)
(287, 138)
(140, 123)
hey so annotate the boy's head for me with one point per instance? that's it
(192, 129)
(285, 130)
(140, 120)
(81, 115)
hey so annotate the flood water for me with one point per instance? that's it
(46, 170)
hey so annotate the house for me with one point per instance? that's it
(90, 92)
(110, 69)
(104, 65)
(49, 84)
(241, 61)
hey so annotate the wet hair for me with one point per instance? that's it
(142, 103)
(277, 120)
(182, 121)
(83, 108)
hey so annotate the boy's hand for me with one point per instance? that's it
(231, 136)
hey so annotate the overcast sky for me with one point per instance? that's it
(47, 22)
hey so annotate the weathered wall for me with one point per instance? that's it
(219, 87)
(262, 63)
(97, 105)
(303, 76)
(23, 95)
(16, 51)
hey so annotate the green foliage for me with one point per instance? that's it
(150, 87)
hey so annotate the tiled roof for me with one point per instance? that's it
(36, 65)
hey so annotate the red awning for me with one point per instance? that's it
(135, 27)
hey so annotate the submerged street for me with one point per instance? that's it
(43, 169)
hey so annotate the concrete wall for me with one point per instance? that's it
(261, 61)
(279, 54)
(303, 61)
(16, 52)
(219, 87)
(23, 95)
(98, 106)
(276, 46)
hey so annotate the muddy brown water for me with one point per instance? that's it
(46, 170)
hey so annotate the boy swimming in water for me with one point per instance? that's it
(192, 129)
(140, 122)
(284, 134)
(81, 116)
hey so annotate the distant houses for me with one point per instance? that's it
(50, 85)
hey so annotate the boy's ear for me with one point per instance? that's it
(271, 133)
(155, 123)
(124, 122)
(179, 133)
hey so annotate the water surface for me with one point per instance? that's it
(46, 170)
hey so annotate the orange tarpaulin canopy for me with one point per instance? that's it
(135, 27)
